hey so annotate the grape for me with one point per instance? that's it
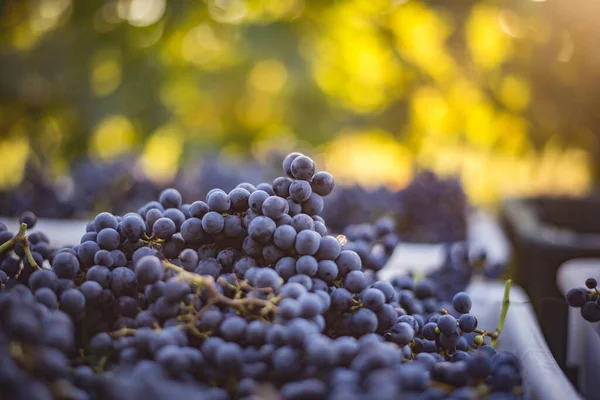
(373, 299)
(321, 229)
(213, 222)
(256, 200)
(287, 163)
(105, 220)
(122, 281)
(286, 267)
(66, 265)
(92, 291)
(576, 297)
(329, 248)
(261, 228)
(294, 208)
(47, 297)
(306, 265)
(303, 222)
(192, 231)
(447, 324)
(271, 254)
(189, 259)
(100, 274)
(28, 218)
(461, 302)
(72, 302)
(401, 334)
(467, 323)
(43, 279)
(170, 198)
(327, 270)
(591, 283)
(590, 311)
(164, 228)
(209, 266)
(176, 216)
(132, 227)
(302, 168)
(239, 199)
(218, 201)
(314, 205)
(233, 226)
(307, 242)
(266, 187)
(300, 191)
(355, 281)
(105, 258)
(274, 207)
(284, 237)
(348, 261)
(281, 186)
(108, 239)
(322, 183)
(86, 253)
(198, 209)
(148, 270)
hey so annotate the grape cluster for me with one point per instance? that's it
(586, 298)
(432, 209)
(374, 243)
(235, 297)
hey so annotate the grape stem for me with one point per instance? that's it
(505, 304)
(208, 282)
(20, 238)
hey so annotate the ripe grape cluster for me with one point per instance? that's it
(374, 243)
(586, 298)
(242, 296)
(432, 209)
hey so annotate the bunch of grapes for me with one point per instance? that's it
(243, 296)
(374, 243)
(461, 262)
(586, 298)
(431, 209)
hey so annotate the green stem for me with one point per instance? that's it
(7, 245)
(20, 238)
(29, 255)
(505, 304)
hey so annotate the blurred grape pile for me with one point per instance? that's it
(500, 93)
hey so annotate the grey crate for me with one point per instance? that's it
(583, 337)
(542, 377)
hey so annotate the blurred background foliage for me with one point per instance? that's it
(501, 93)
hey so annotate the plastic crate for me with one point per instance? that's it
(521, 335)
(545, 233)
(583, 337)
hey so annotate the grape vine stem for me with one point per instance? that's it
(208, 282)
(505, 304)
(20, 238)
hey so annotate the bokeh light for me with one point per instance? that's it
(500, 94)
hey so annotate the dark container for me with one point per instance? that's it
(546, 232)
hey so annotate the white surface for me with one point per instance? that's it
(483, 232)
(583, 340)
(60, 232)
(521, 335)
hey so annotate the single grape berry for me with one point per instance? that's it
(322, 183)
(591, 283)
(287, 163)
(303, 168)
(462, 302)
(28, 218)
(576, 297)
